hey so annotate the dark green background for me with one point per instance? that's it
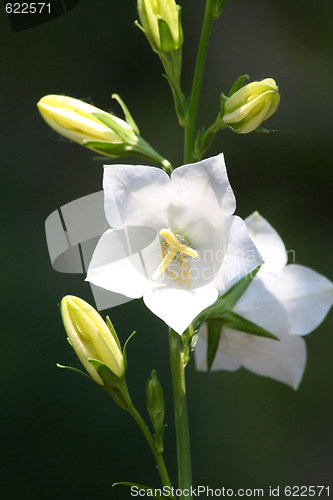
(62, 436)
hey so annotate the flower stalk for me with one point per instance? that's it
(197, 81)
(181, 418)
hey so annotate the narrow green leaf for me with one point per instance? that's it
(236, 322)
(231, 296)
(225, 302)
(214, 328)
(238, 84)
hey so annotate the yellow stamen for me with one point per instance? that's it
(170, 248)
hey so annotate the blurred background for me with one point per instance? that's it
(63, 437)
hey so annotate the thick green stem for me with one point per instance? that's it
(158, 456)
(181, 419)
(197, 81)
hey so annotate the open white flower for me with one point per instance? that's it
(286, 300)
(188, 245)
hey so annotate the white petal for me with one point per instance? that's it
(203, 185)
(268, 242)
(114, 265)
(241, 256)
(282, 360)
(140, 194)
(179, 307)
(296, 301)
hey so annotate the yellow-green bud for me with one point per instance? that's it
(160, 20)
(75, 120)
(247, 108)
(155, 401)
(90, 337)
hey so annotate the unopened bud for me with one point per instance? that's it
(75, 120)
(155, 401)
(90, 337)
(247, 108)
(160, 20)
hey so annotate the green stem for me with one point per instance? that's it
(197, 81)
(158, 456)
(181, 418)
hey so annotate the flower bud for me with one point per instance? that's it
(247, 108)
(90, 337)
(161, 24)
(155, 401)
(75, 120)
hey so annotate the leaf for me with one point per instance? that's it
(223, 305)
(214, 328)
(238, 84)
(237, 322)
(231, 296)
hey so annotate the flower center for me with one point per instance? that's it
(170, 248)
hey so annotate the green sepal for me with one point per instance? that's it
(75, 370)
(115, 150)
(128, 116)
(180, 28)
(113, 331)
(238, 84)
(126, 135)
(223, 305)
(115, 386)
(125, 350)
(141, 487)
(236, 322)
(214, 327)
(109, 378)
(167, 43)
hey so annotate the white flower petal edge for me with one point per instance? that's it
(194, 208)
(282, 360)
(295, 301)
(184, 306)
(240, 257)
(287, 300)
(268, 242)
